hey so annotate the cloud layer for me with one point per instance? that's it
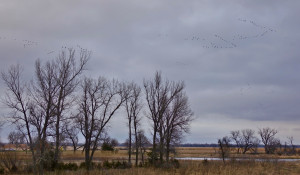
(239, 59)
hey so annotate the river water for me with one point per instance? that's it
(214, 158)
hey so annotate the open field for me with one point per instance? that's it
(231, 166)
(202, 168)
(213, 152)
(121, 154)
(208, 152)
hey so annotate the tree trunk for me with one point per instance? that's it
(136, 146)
(154, 147)
(56, 153)
(87, 157)
(168, 149)
(161, 147)
(129, 142)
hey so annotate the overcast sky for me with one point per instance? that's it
(239, 59)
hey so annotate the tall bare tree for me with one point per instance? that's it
(66, 77)
(18, 100)
(133, 105)
(43, 105)
(159, 95)
(99, 101)
(176, 121)
(268, 138)
(52, 93)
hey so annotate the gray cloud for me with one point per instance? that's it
(253, 77)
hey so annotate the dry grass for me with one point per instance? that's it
(204, 168)
(186, 167)
(70, 156)
(213, 152)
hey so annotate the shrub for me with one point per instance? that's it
(116, 165)
(48, 161)
(175, 163)
(152, 156)
(107, 164)
(205, 162)
(9, 160)
(83, 165)
(2, 171)
(67, 166)
(29, 168)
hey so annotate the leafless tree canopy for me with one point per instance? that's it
(176, 121)
(40, 108)
(168, 107)
(16, 138)
(99, 101)
(268, 138)
(245, 140)
(224, 147)
(43, 109)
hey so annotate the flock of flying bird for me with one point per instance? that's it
(217, 42)
(220, 42)
(24, 43)
(29, 43)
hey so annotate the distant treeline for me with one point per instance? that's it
(216, 145)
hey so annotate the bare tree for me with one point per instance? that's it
(292, 145)
(268, 138)
(18, 100)
(42, 106)
(159, 95)
(109, 144)
(248, 140)
(99, 101)
(52, 95)
(72, 132)
(236, 137)
(142, 143)
(224, 147)
(66, 77)
(245, 140)
(176, 121)
(17, 139)
(133, 105)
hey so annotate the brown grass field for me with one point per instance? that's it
(202, 168)
(232, 166)
(207, 152)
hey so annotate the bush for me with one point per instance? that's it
(205, 162)
(83, 165)
(141, 164)
(2, 171)
(107, 147)
(175, 163)
(48, 161)
(9, 160)
(107, 164)
(116, 165)
(29, 168)
(152, 156)
(67, 166)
